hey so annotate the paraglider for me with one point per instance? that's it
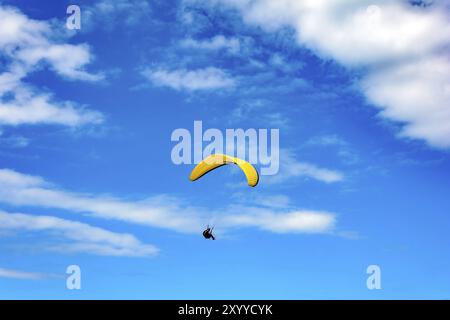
(214, 161)
(208, 233)
(217, 160)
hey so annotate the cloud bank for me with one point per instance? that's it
(27, 45)
(161, 211)
(399, 48)
(80, 237)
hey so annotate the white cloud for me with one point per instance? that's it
(39, 109)
(82, 237)
(264, 200)
(261, 110)
(162, 212)
(25, 46)
(399, 48)
(105, 13)
(417, 93)
(190, 80)
(14, 141)
(327, 140)
(301, 221)
(353, 32)
(344, 149)
(218, 42)
(13, 178)
(312, 171)
(65, 59)
(275, 213)
(20, 189)
(21, 275)
(28, 42)
(291, 168)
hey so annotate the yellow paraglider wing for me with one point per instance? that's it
(217, 160)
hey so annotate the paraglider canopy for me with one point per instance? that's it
(217, 160)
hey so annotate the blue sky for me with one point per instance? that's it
(359, 91)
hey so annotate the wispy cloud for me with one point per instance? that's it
(82, 237)
(344, 149)
(14, 141)
(264, 200)
(275, 213)
(106, 13)
(190, 80)
(301, 221)
(217, 42)
(327, 140)
(21, 275)
(160, 211)
(291, 168)
(21, 189)
(265, 112)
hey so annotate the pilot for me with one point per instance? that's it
(208, 233)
